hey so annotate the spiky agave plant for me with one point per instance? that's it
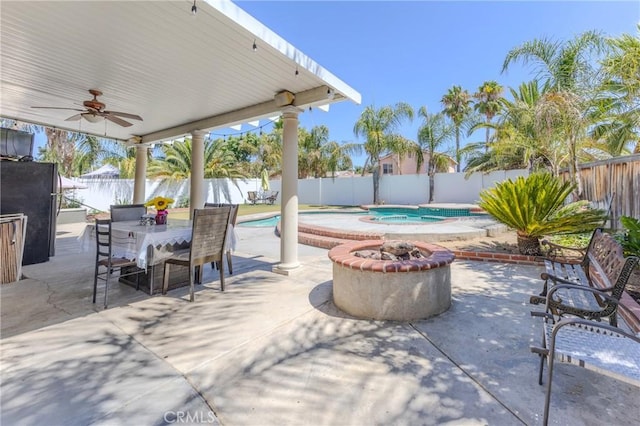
(534, 207)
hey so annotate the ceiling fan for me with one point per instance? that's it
(95, 111)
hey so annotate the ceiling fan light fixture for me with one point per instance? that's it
(92, 118)
(95, 112)
(194, 8)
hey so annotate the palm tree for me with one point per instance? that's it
(457, 106)
(488, 103)
(567, 69)
(337, 156)
(311, 161)
(432, 135)
(221, 162)
(400, 147)
(269, 155)
(522, 139)
(620, 126)
(561, 66)
(378, 127)
(176, 163)
(318, 156)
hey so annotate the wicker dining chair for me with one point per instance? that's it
(233, 216)
(124, 212)
(208, 238)
(106, 260)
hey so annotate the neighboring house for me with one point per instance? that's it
(391, 164)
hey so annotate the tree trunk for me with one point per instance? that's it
(376, 185)
(576, 171)
(486, 144)
(431, 186)
(528, 245)
(364, 168)
(458, 148)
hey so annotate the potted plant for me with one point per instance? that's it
(535, 207)
(160, 204)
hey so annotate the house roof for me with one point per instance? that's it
(424, 151)
(178, 71)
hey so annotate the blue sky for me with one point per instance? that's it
(413, 51)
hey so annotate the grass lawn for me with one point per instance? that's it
(248, 209)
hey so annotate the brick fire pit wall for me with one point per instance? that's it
(391, 290)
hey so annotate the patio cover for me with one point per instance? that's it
(184, 74)
(178, 71)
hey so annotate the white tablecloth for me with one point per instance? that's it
(130, 240)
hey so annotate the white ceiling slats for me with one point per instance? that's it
(151, 58)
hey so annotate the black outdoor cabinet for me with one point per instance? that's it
(30, 188)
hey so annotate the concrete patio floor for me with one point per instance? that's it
(274, 350)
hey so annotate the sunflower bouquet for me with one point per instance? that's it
(160, 204)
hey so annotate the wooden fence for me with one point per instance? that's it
(616, 179)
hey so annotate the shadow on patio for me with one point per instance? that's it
(275, 350)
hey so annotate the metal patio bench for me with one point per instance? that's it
(603, 268)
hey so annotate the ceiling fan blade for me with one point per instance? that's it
(124, 114)
(74, 117)
(118, 121)
(68, 109)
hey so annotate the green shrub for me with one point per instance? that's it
(182, 202)
(534, 207)
(631, 238)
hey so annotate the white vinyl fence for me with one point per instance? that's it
(352, 191)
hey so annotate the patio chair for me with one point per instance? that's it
(208, 237)
(272, 198)
(233, 216)
(252, 196)
(105, 259)
(125, 212)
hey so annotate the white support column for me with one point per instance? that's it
(197, 171)
(140, 179)
(289, 208)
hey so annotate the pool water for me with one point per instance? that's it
(385, 215)
(419, 215)
(273, 221)
(405, 218)
(259, 223)
(425, 211)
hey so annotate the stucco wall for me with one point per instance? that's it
(351, 191)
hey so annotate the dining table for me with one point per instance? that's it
(149, 244)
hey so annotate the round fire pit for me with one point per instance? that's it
(400, 290)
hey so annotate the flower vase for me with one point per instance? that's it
(161, 217)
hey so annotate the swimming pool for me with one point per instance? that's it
(419, 214)
(260, 223)
(323, 228)
(428, 211)
(382, 215)
(273, 220)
